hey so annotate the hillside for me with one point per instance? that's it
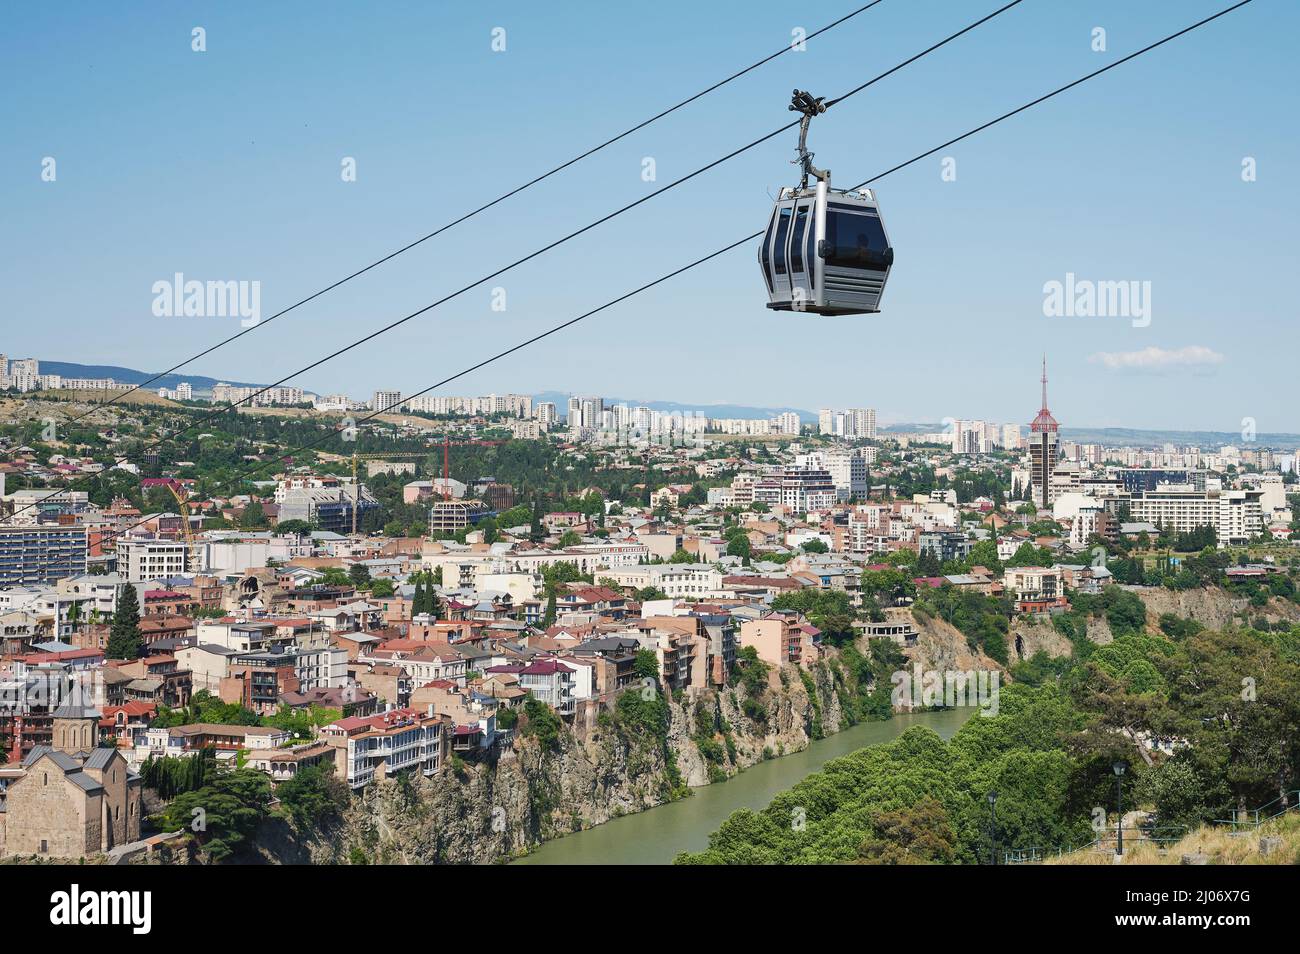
(70, 369)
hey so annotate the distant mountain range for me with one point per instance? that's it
(69, 369)
(1110, 436)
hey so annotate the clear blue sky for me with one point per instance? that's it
(225, 165)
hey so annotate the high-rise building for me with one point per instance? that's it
(854, 423)
(862, 422)
(1044, 449)
(385, 400)
(788, 423)
(826, 421)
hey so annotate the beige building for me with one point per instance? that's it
(71, 799)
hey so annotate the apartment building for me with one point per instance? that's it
(1236, 515)
(145, 559)
(371, 748)
(550, 681)
(386, 400)
(847, 469)
(799, 488)
(41, 554)
(678, 580)
(779, 638)
(1036, 588)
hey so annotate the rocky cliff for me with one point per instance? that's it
(627, 759)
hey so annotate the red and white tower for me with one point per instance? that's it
(1044, 449)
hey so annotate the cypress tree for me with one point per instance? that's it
(417, 599)
(124, 636)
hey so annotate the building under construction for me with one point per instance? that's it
(449, 517)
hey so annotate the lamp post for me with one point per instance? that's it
(993, 826)
(1119, 768)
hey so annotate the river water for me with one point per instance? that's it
(657, 835)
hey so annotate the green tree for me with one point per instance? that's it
(548, 618)
(740, 546)
(312, 797)
(224, 814)
(253, 516)
(124, 634)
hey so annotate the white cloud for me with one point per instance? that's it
(1158, 359)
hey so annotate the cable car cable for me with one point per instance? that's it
(483, 208)
(737, 244)
(540, 251)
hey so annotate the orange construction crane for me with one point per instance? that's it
(192, 562)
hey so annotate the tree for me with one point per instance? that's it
(537, 532)
(549, 618)
(418, 599)
(297, 527)
(646, 665)
(927, 564)
(740, 546)
(382, 588)
(985, 554)
(312, 796)
(815, 545)
(359, 575)
(124, 635)
(229, 809)
(253, 516)
(334, 576)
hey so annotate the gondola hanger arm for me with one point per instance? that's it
(801, 101)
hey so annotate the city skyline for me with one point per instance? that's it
(1013, 212)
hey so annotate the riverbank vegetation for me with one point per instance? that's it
(1204, 724)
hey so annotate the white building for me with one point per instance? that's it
(144, 559)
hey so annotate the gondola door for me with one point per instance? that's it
(800, 256)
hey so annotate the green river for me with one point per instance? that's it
(656, 836)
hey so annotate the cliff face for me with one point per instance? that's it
(942, 647)
(599, 769)
(1212, 607)
(602, 767)
(1032, 634)
(492, 812)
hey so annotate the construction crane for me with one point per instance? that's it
(447, 445)
(182, 502)
(356, 486)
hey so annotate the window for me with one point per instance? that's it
(854, 239)
(796, 247)
(778, 251)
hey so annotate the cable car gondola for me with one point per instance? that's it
(824, 251)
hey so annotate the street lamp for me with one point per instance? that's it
(993, 826)
(1119, 768)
